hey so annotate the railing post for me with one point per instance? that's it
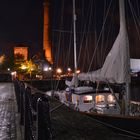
(22, 92)
(43, 119)
(28, 120)
(17, 93)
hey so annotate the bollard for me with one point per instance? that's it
(43, 119)
(17, 93)
(22, 92)
(28, 121)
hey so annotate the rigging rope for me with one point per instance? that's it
(84, 33)
(134, 17)
(100, 36)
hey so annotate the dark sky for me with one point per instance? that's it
(90, 17)
(21, 23)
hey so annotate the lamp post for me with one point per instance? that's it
(69, 71)
(59, 71)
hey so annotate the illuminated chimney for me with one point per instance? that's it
(46, 42)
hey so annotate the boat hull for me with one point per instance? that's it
(125, 125)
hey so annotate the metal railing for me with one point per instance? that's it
(34, 111)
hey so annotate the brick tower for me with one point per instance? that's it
(46, 41)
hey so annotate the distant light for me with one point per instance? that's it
(50, 68)
(69, 69)
(2, 58)
(78, 71)
(13, 73)
(59, 71)
(46, 69)
(8, 69)
(23, 67)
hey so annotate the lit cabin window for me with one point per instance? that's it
(87, 99)
(111, 99)
(100, 99)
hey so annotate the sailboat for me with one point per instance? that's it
(102, 104)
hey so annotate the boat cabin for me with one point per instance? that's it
(86, 99)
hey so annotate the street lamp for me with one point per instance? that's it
(23, 67)
(69, 71)
(50, 68)
(78, 71)
(59, 71)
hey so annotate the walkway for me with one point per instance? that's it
(9, 124)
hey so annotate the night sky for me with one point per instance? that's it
(21, 22)
(90, 17)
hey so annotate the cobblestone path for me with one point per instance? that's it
(7, 112)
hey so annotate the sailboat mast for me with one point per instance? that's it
(123, 26)
(74, 35)
(122, 15)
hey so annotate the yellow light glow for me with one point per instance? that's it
(23, 67)
(28, 65)
(111, 99)
(59, 71)
(2, 58)
(78, 71)
(87, 99)
(99, 98)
